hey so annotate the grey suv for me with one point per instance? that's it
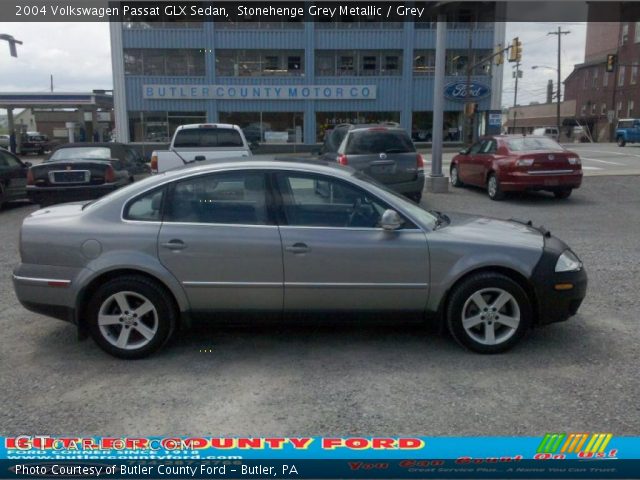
(260, 236)
(384, 152)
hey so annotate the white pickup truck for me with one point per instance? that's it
(199, 142)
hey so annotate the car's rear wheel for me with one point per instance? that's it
(131, 317)
(416, 196)
(493, 188)
(564, 193)
(621, 142)
(488, 313)
(454, 177)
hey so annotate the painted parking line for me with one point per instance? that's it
(611, 153)
(584, 167)
(603, 161)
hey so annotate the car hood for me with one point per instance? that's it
(493, 231)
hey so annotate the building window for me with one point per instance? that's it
(634, 73)
(346, 22)
(621, 76)
(603, 109)
(594, 78)
(249, 23)
(605, 79)
(585, 79)
(325, 121)
(259, 63)
(630, 108)
(424, 62)
(583, 110)
(637, 32)
(619, 109)
(268, 127)
(458, 62)
(160, 126)
(358, 62)
(170, 62)
(593, 109)
(624, 34)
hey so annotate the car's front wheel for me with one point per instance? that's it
(488, 313)
(621, 142)
(131, 317)
(454, 177)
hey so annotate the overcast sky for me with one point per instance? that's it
(78, 56)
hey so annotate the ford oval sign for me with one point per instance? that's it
(458, 91)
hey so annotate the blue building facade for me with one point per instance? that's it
(290, 82)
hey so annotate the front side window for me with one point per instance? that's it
(226, 198)
(146, 208)
(318, 201)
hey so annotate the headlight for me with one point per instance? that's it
(524, 162)
(568, 262)
(574, 160)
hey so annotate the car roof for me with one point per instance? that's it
(208, 125)
(90, 144)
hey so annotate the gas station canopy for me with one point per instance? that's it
(86, 101)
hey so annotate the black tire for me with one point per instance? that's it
(416, 196)
(621, 141)
(462, 295)
(160, 324)
(494, 193)
(562, 194)
(454, 177)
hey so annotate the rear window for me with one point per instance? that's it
(208, 137)
(527, 144)
(101, 153)
(379, 141)
(625, 124)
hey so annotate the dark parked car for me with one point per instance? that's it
(34, 142)
(256, 236)
(385, 152)
(13, 177)
(83, 171)
(509, 163)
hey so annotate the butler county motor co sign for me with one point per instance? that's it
(458, 91)
(257, 92)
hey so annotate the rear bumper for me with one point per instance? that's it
(69, 193)
(414, 186)
(553, 180)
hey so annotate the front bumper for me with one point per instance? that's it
(554, 180)
(558, 294)
(63, 194)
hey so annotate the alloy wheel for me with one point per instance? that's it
(491, 316)
(128, 320)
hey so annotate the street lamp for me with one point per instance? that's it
(543, 66)
(12, 43)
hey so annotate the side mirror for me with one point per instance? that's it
(391, 220)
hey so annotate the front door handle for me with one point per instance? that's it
(174, 244)
(298, 248)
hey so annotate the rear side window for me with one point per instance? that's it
(208, 137)
(379, 141)
(146, 208)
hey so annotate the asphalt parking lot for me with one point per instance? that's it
(581, 375)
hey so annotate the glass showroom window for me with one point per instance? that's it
(164, 62)
(159, 126)
(458, 62)
(268, 127)
(249, 24)
(325, 121)
(253, 63)
(358, 62)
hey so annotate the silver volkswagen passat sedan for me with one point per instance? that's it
(278, 236)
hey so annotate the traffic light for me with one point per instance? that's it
(611, 62)
(499, 55)
(470, 109)
(515, 54)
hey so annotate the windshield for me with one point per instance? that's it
(207, 137)
(625, 124)
(410, 207)
(100, 153)
(379, 141)
(527, 144)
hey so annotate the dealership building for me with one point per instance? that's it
(290, 81)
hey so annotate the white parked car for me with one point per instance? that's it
(551, 132)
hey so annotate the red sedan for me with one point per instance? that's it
(510, 163)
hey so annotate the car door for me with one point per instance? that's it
(219, 240)
(484, 160)
(337, 258)
(636, 130)
(470, 169)
(13, 176)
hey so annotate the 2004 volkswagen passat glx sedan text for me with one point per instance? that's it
(285, 237)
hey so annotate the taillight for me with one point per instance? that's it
(154, 164)
(30, 179)
(342, 159)
(109, 175)
(419, 161)
(524, 162)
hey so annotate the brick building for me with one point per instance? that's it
(601, 96)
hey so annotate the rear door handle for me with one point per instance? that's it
(174, 244)
(298, 248)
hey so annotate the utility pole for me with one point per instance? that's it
(559, 33)
(515, 97)
(468, 120)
